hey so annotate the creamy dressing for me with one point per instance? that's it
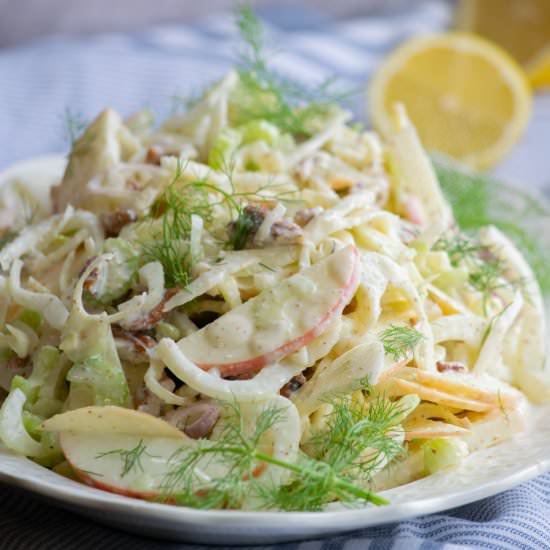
(264, 324)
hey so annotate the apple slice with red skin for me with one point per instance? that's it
(111, 419)
(279, 321)
(86, 434)
(96, 460)
(131, 453)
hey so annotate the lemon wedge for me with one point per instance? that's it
(466, 96)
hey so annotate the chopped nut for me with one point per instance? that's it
(451, 366)
(141, 341)
(17, 363)
(286, 231)
(294, 385)
(196, 420)
(304, 216)
(341, 183)
(113, 222)
(154, 154)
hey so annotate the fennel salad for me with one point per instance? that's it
(257, 304)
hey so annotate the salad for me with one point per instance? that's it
(257, 304)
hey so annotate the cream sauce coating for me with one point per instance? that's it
(276, 316)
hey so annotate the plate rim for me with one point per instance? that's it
(190, 523)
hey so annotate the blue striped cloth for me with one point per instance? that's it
(130, 71)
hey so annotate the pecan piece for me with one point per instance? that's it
(113, 222)
(304, 216)
(141, 341)
(153, 155)
(286, 231)
(293, 385)
(451, 366)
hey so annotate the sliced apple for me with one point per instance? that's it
(279, 321)
(134, 454)
(88, 433)
(117, 421)
(99, 460)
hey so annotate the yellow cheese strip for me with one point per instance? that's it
(431, 429)
(398, 387)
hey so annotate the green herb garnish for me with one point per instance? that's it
(479, 200)
(487, 272)
(131, 458)
(458, 248)
(246, 223)
(179, 202)
(74, 125)
(399, 341)
(266, 95)
(235, 450)
(489, 277)
(356, 443)
(175, 207)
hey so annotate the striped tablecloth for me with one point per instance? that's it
(147, 68)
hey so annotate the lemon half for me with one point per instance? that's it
(522, 27)
(467, 97)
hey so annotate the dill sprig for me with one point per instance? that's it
(264, 94)
(246, 219)
(235, 452)
(245, 224)
(180, 202)
(314, 482)
(74, 124)
(479, 200)
(399, 341)
(269, 268)
(458, 247)
(131, 458)
(176, 206)
(487, 271)
(356, 443)
(489, 276)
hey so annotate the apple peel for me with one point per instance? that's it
(279, 321)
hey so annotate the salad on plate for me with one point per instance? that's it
(257, 304)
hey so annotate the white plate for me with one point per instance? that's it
(482, 474)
